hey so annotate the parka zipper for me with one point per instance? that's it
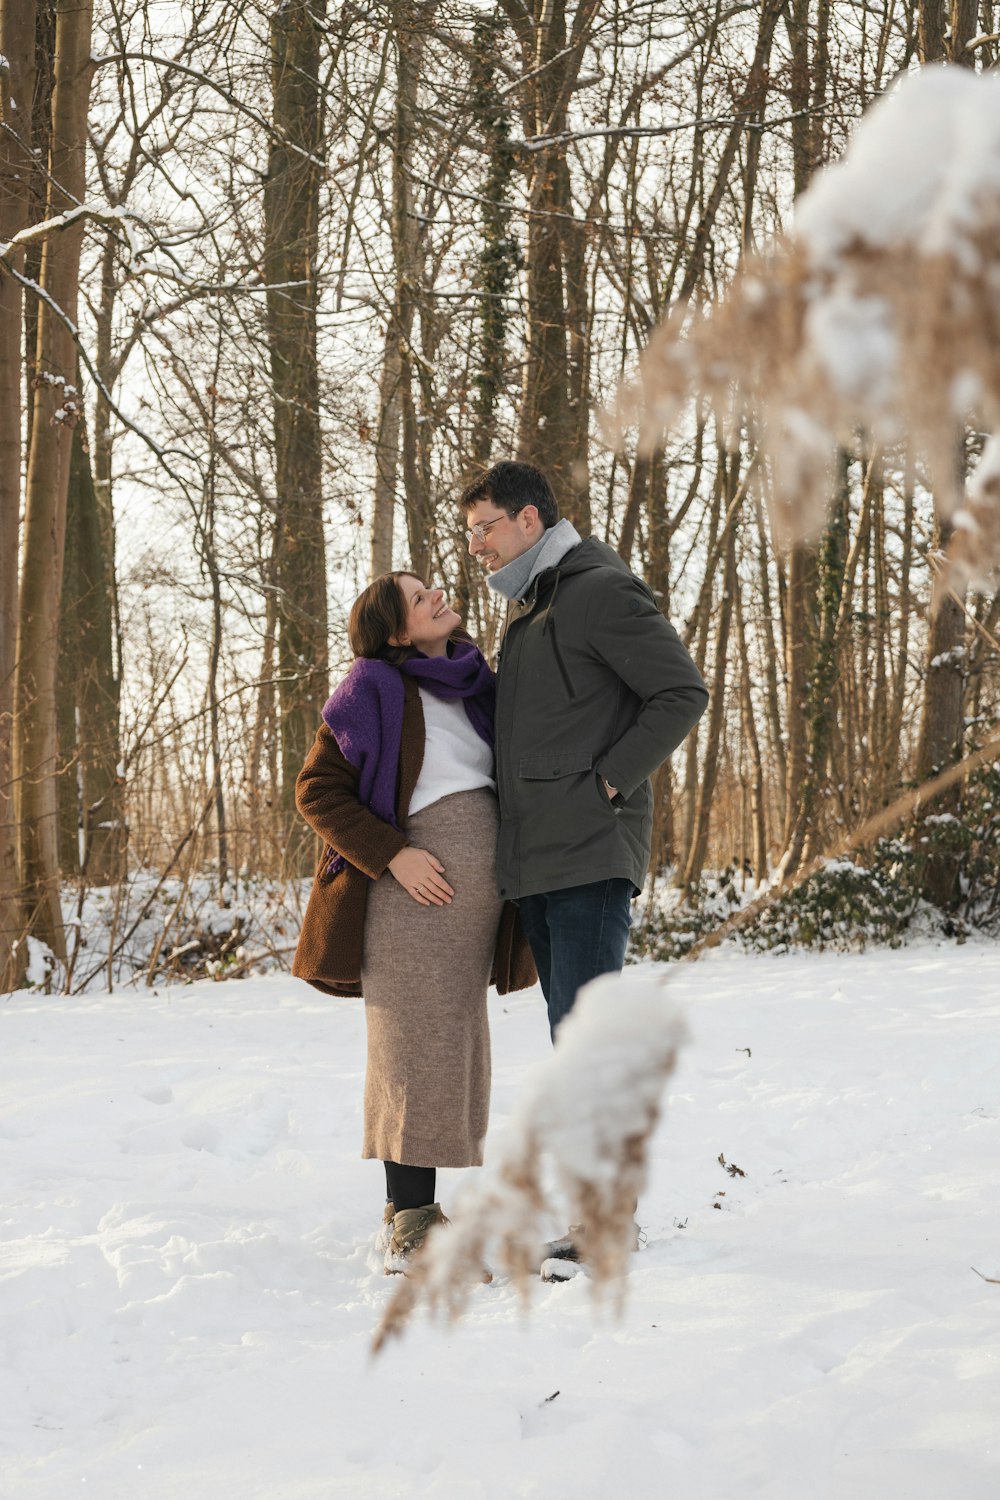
(559, 660)
(550, 623)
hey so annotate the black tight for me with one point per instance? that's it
(409, 1187)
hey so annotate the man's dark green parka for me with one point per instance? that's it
(592, 682)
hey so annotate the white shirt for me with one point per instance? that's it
(455, 758)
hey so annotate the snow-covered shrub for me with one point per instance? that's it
(850, 904)
(973, 834)
(671, 928)
(981, 873)
(846, 905)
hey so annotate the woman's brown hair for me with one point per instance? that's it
(378, 613)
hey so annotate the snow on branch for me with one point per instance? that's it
(98, 212)
(161, 453)
(879, 311)
(583, 1121)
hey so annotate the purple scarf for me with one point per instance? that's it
(365, 716)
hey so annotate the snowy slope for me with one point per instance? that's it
(186, 1301)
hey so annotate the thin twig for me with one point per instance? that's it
(209, 803)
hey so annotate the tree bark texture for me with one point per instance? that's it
(498, 256)
(729, 465)
(554, 391)
(421, 522)
(942, 728)
(17, 84)
(291, 215)
(89, 743)
(386, 454)
(55, 408)
(808, 834)
(963, 27)
(931, 26)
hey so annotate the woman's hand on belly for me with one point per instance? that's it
(421, 876)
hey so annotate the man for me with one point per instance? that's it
(594, 691)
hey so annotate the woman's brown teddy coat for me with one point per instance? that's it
(330, 944)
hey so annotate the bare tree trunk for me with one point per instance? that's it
(206, 530)
(768, 646)
(730, 465)
(942, 728)
(807, 91)
(259, 802)
(807, 839)
(498, 258)
(386, 454)
(56, 403)
(410, 23)
(17, 46)
(750, 103)
(38, 188)
(898, 697)
(549, 430)
(89, 743)
(799, 634)
(931, 30)
(106, 854)
(963, 29)
(291, 228)
(638, 486)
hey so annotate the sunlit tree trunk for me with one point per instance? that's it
(17, 82)
(386, 454)
(931, 28)
(942, 718)
(56, 403)
(498, 256)
(758, 807)
(729, 465)
(556, 364)
(291, 228)
(401, 366)
(808, 84)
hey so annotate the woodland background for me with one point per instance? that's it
(276, 280)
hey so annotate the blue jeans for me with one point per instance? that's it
(574, 935)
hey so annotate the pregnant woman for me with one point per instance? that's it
(400, 787)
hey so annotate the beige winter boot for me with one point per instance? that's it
(410, 1227)
(384, 1234)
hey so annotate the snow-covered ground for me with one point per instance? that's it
(187, 1300)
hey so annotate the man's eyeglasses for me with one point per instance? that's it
(483, 529)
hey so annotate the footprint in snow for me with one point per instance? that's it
(161, 1093)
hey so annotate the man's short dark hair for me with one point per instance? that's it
(512, 486)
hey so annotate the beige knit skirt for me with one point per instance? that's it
(425, 972)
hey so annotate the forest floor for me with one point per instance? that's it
(188, 1289)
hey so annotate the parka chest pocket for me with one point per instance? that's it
(554, 764)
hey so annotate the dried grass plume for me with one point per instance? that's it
(878, 312)
(583, 1126)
